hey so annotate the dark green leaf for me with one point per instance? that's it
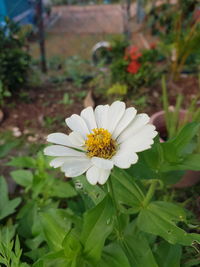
(138, 251)
(7, 147)
(113, 256)
(168, 255)
(160, 218)
(7, 206)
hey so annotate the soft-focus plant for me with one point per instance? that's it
(180, 35)
(14, 59)
(133, 67)
(118, 89)
(176, 117)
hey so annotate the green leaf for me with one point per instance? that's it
(185, 136)
(160, 218)
(62, 189)
(55, 225)
(7, 206)
(98, 224)
(27, 217)
(113, 256)
(138, 251)
(170, 253)
(128, 192)
(53, 259)
(22, 162)
(190, 162)
(95, 193)
(71, 245)
(22, 177)
(192, 263)
(7, 147)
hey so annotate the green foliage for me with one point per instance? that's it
(98, 219)
(14, 60)
(126, 222)
(176, 118)
(171, 254)
(7, 206)
(37, 180)
(10, 252)
(66, 99)
(77, 69)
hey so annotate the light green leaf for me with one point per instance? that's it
(95, 193)
(71, 245)
(128, 192)
(170, 253)
(185, 136)
(113, 256)
(22, 162)
(7, 206)
(160, 218)
(55, 225)
(98, 224)
(190, 162)
(62, 189)
(22, 177)
(53, 259)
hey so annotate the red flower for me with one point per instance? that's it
(133, 67)
(133, 53)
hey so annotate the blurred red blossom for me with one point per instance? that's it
(133, 67)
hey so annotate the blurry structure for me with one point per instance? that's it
(21, 11)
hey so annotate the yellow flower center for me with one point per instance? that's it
(100, 144)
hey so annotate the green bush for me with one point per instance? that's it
(14, 59)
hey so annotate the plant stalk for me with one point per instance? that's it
(150, 193)
(112, 194)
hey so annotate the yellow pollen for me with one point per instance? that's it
(100, 144)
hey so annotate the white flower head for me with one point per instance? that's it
(101, 138)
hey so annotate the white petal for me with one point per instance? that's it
(62, 151)
(59, 139)
(77, 124)
(95, 175)
(57, 162)
(141, 140)
(127, 118)
(125, 158)
(76, 139)
(88, 115)
(115, 113)
(75, 166)
(92, 175)
(102, 163)
(101, 116)
(139, 121)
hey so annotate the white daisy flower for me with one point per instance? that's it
(101, 139)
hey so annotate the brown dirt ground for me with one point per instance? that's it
(42, 112)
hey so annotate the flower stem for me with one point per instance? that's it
(112, 194)
(150, 193)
